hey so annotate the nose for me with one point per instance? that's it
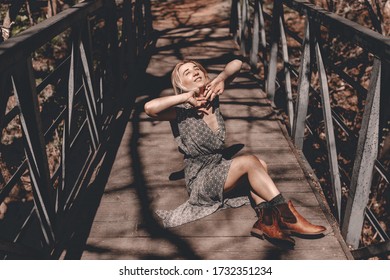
(196, 73)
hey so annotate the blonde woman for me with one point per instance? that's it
(199, 131)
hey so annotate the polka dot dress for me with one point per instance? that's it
(205, 168)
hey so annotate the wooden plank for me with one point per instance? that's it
(161, 200)
(200, 228)
(208, 248)
(299, 255)
(128, 209)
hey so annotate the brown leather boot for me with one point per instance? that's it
(290, 221)
(267, 226)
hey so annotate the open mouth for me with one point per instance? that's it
(198, 79)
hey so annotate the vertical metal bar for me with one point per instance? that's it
(234, 19)
(329, 130)
(91, 129)
(88, 88)
(290, 106)
(73, 85)
(298, 129)
(254, 53)
(244, 18)
(89, 97)
(275, 35)
(366, 154)
(140, 26)
(111, 30)
(263, 41)
(239, 21)
(35, 148)
(87, 61)
(4, 95)
(148, 19)
(129, 31)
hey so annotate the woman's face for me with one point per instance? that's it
(191, 76)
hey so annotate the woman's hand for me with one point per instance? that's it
(197, 102)
(214, 88)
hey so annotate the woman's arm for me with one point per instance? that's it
(217, 86)
(162, 108)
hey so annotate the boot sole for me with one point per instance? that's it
(292, 232)
(257, 233)
(261, 235)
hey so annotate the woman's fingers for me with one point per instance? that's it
(202, 110)
(209, 93)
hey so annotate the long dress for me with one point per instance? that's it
(205, 168)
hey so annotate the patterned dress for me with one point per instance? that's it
(205, 168)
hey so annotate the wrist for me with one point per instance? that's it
(187, 96)
(220, 78)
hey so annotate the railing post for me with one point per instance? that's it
(234, 19)
(73, 85)
(275, 35)
(258, 39)
(148, 19)
(298, 129)
(244, 25)
(366, 155)
(89, 89)
(290, 105)
(139, 21)
(86, 52)
(35, 148)
(112, 61)
(3, 98)
(254, 53)
(329, 130)
(131, 44)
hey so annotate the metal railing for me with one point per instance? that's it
(106, 43)
(263, 35)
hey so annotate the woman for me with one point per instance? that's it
(200, 133)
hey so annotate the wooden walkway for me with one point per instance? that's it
(146, 173)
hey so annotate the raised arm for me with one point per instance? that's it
(217, 86)
(162, 108)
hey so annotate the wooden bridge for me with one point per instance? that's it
(135, 167)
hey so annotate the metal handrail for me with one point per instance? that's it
(366, 161)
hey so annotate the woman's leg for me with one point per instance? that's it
(264, 194)
(262, 186)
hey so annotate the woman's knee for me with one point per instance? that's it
(264, 164)
(249, 161)
(253, 161)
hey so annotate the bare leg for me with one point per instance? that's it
(262, 186)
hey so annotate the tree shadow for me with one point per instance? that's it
(150, 85)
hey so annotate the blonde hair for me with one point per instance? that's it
(175, 77)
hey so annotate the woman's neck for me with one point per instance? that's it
(201, 91)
